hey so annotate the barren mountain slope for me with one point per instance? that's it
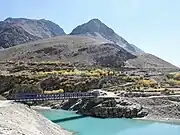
(150, 61)
(81, 50)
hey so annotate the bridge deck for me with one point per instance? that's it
(60, 96)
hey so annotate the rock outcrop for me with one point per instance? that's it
(106, 108)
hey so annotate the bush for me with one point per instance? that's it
(89, 73)
(177, 76)
(173, 82)
(170, 76)
(147, 83)
(54, 91)
(138, 86)
(129, 79)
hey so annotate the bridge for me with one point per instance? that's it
(59, 96)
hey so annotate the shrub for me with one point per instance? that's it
(53, 91)
(147, 83)
(138, 86)
(177, 76)
(89, 73)
(173, 82)
(129, 79)
(170, 76)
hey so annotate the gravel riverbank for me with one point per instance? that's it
(17, 119)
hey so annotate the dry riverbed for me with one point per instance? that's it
(17, 119)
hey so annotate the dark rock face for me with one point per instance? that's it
(106, 108)
(109, 55)
(54, 29)
(96, 28)
(15, 31)
(14, 35)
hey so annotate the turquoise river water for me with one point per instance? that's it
(95, 126)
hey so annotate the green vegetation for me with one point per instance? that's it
(177, 76)
(53, 91)
(57, 77)
(173, 82)
(138, 86)
(147, 83)
(173, 79)
(89, 73)
(129, 79)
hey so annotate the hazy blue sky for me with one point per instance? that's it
(152, 25)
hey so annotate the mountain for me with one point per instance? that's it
(97, 29)
(81, 51)
(15, 31)
(78, 50)
(89, 44)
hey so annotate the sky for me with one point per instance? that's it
(152, 25)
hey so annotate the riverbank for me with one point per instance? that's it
(160, 120)
(154, 108)
(148, 118)
(17, 119)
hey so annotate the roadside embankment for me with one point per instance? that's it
(17, 119)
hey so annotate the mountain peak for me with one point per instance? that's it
(8, 19)
(98, 29)
(95, 20)
(93, 27)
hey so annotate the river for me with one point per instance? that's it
(81, 125)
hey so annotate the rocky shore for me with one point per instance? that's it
(160, 108)
(105, 108)
(17, 119)
(155, 108)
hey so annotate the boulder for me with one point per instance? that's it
(142, 113)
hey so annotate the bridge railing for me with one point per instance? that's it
(60, 96)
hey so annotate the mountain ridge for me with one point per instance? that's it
(25, 30)
(92, 43)
(35, 29)
(96, 28)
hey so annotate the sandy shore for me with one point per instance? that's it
(18, 119)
